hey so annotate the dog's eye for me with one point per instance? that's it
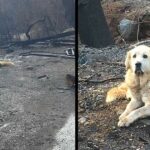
(145, 56)
(134, 56)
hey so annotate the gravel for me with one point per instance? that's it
(100, 130)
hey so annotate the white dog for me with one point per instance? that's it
(136, 86)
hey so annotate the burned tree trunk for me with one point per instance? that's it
(69, 6)
(93, 29)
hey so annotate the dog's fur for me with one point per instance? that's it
(136, 86)
(6, 63)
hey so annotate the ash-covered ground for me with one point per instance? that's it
(35, 100)
(99, 70)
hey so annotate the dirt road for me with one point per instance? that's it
(35, 100)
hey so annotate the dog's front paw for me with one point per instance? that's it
(124, 122)
(122, 116)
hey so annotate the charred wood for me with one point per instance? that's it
(28, 42)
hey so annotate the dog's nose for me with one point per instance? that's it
(138, 65)
(138, 70)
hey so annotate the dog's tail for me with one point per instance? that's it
(6, 63)
(117, 93)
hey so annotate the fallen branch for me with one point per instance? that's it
(86, 80)
(112, 63)
(28, 42)
(102, 81)
(55, 43)
(47, 55)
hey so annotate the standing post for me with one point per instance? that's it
(93, 28)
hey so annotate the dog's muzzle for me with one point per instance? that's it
(138, 70)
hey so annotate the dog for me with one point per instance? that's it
(4, 63)
(136, 86)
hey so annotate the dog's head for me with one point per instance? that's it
(138, 60)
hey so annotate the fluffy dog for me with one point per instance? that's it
(6, 63)
(136, 86)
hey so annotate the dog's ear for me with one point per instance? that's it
(127, 61)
